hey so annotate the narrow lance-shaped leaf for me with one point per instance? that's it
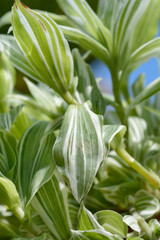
(50, 202)
(35, 160)
(7, 78)
(8, 155)
(143, 53)
(78, 150)
(149, 91)
(84, 17)
(87, 43)
(45, 47)
(17, 58)
(7, 119)
(87, 88)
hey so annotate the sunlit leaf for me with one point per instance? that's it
(84, 17)
(35, 165)
(78, 150)
(40, 38)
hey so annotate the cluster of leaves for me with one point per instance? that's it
(68, 170)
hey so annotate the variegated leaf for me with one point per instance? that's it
(94, 235)
(7, 119)
(50, 202)
(112, 135)
(87, 88)
(35, 160)
(7, 79)
(84, 17)
(17, 58)
(78, 150)
(45, 48)
(87, 43)
(8, 155)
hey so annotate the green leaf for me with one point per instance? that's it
(112, 135)
(149, 91)
(87, 221)
(112, 222)
(42, 237)
(87, 43)
(45, 47)
(132, 222)
(17, 58)
(127, 21)
(146, 204)
(78, 150)
(83, 16)
(144, 53)
(8, 155)
(46, 99)
(10, 197)
(7, 76)
(50, 202)
(21, 124)
(7, 230)
(94, 235)
(108, 12)
(7, 119)
(35, 160)
(87, 88)
(5, 19)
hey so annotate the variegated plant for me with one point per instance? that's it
(69, 169)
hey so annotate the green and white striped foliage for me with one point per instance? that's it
(7, 80)
(36, 165)
(83, 16)
(44, 46)
(78, 150)
(87, 88)
(50, 202)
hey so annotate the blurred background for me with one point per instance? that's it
(150, 69)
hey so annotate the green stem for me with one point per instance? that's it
(116, 92)
(152, 179)
(69, 98)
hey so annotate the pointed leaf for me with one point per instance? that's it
(5, 19)
(94, 235)
(44, 46)
(35, 160)
(143, 53)
(132, 222)
(87, 43)
(7, 119)
(50, 202)
(17, 58)
(84, 17)
(149, 91)
(87, 221)
(7, 77)
(112, 135)
(78, 150)
(8, 155)
(87, 88)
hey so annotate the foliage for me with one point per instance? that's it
(69, 169)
